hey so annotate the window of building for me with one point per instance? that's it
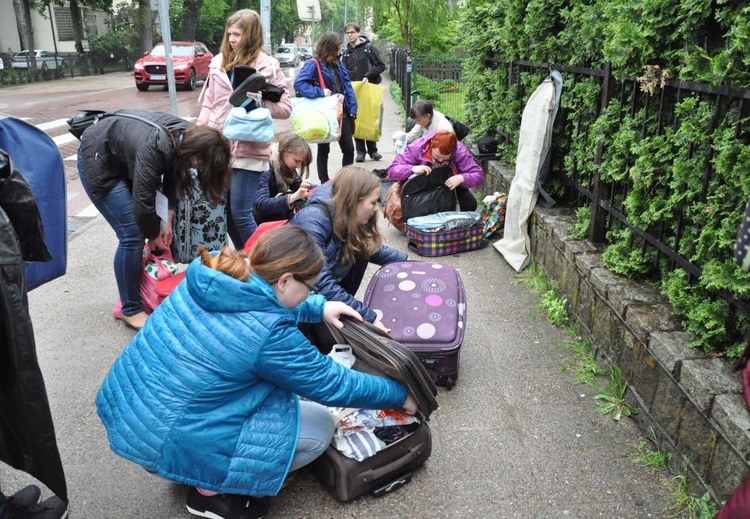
(64, 23)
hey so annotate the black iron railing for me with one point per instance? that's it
(607, 198)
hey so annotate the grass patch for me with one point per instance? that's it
(582, 363)
(686, 504)
(612, 400)
(654, 459)
(580, 230)
(555, 307)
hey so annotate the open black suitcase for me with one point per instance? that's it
(393, 466)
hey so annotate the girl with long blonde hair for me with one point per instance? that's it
(342, 217)
(242, 46)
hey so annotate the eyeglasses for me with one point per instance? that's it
(312, 288)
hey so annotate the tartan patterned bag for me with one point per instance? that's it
(442, 243)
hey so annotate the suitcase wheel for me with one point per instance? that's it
(392, 485)
(450, 383)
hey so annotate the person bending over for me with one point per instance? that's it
(426, 119)
(219, 370)
(440, 148)
(124, 162)
(342, 218)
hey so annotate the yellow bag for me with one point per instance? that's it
(369, 101)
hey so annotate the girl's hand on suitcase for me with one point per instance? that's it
(422, 168)
(410, 405)
(380, 325)
(333, 310)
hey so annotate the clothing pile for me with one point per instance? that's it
(361, 433)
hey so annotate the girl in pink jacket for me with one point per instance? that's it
(242, 45)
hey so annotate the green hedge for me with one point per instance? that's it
(663, 166)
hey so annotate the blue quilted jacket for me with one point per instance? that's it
(315, 220)
(206, 393)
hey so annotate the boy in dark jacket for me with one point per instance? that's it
(363, 64)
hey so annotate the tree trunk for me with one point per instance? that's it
(145, 21)
(191, 9)
(77, 22)
(26, 33)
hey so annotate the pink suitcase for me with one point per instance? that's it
(424, 305)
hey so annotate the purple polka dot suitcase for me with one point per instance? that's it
(424, 305)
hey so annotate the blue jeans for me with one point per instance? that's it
(117, 208)
(316, 430)
(240, 221)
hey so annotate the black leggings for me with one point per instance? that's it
(466, 200)
(347, 148)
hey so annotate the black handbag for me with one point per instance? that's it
(427, 194)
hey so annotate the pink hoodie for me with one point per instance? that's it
(215, 102)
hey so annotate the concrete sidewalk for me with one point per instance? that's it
(516, 438)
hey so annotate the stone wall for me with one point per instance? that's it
(692, 403)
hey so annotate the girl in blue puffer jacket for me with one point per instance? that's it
(206, 393)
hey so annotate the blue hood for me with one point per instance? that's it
(215, 291)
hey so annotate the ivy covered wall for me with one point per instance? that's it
(685, 166)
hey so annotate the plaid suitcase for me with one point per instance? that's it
(442, 243)
(424, 305)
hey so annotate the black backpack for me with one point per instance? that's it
(488, 145)
(459, 128)
(78, 123)
(427, 194)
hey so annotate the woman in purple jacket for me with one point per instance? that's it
(440, 148)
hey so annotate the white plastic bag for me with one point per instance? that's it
(342, 353)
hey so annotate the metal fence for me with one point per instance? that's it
(607, 199)
(65, 64)
(435, 77)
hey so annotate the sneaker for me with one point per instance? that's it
(360, 157)
(52, 508)
(376, 156)
(225, 506)
(25, 497)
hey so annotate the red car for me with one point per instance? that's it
(190, 59)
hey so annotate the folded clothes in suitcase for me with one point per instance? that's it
(424, 305)
(392, 466)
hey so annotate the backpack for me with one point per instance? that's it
(459, 128)
(78, 123)
(427, 194)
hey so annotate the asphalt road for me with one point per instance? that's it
(516, 437)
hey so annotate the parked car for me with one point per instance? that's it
(45, 60)
(287, 55)
(307, 53)
(190, 60)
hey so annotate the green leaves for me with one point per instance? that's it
(612, 401)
